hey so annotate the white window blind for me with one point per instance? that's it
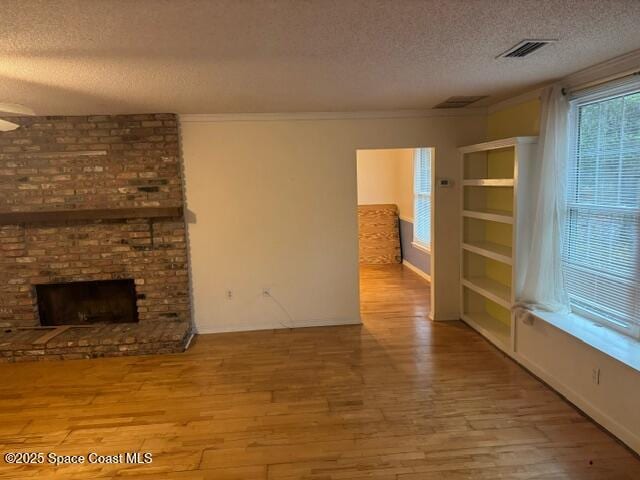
(422, 197)
(601, 248)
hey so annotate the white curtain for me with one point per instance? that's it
(542, 281)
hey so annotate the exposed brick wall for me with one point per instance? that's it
(90, 162)
(93, 162)
(150, 252)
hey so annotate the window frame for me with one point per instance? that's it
(417, 242)
(599, 95)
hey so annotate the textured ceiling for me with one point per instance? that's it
(217, 56)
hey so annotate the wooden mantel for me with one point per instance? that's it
(51, 216)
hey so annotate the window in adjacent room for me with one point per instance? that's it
(422, 198)
(601, 247)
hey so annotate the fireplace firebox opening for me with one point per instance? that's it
(87, 303)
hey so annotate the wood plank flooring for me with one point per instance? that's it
(398, 398)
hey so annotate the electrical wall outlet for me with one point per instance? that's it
(229, 294)
(595, 376)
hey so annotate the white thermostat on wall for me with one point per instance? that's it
(444, 183)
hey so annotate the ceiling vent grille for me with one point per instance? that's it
(459, 102)
(525, 48)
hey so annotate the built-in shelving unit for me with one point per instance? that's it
(493, 225)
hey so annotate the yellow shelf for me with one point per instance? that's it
(491, 328)
(490, 289)
(502, 216)
(491, 250)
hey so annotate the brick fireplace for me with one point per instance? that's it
(92, 199)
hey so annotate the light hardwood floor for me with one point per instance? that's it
(397, 398)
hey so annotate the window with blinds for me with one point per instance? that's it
(422, 197)
(601, 248)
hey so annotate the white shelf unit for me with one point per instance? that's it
(495, 223)
(501, 216)
(489, 182)
(492, 250)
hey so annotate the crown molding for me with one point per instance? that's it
(517, 100)
(615, 66)
(302, 116)
(620, 65)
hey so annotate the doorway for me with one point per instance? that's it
(395, 211)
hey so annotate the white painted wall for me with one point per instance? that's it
(275, 201)
(386, 176)
(377, 176)
(404, 196)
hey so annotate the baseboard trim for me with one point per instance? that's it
(447, 317)
(206, 329)
(614, 428)
(416, 270)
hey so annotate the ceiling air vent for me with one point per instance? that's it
(525, 48)
(459, 102)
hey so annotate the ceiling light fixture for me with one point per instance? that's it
(13, 109)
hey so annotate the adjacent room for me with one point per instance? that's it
(286, 240)
(394, 224)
